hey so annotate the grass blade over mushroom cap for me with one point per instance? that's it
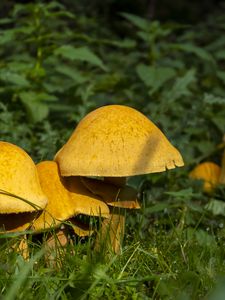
(116, 140)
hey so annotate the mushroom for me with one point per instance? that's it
(21, 196)
(116, 141)
(67, 199)
(209, 172)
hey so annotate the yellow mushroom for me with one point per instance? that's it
(21, 196)
(209, 172)
(114, 142)
(67, 198)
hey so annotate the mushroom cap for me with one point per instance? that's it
(116, 141)
(86, 202)
(19, 184)
(64, 203)
(209, 172)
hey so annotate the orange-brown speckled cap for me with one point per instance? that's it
(116, 140)
(66, 198)
(209, 172)
(18, 177)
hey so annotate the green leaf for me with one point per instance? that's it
(71, 73)
(204, 239)
(181, 86)
(154, 77)
(217, 207)
(14, 78)
(82, 54)
(126, 43)
(221, 75)
(137, 21)
(200, 52)
(157, 207)
(185, 193)
(7, 36)
(219, 121)
(36, 110)
(212, 99)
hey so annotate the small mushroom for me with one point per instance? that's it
(209, 172)
(67, 198)
(21, 196)
(116, 141)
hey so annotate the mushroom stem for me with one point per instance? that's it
(54, 247)
(111, 234)
(22, 247)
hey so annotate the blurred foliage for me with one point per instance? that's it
(56, 66)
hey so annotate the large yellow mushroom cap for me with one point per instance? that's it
(18, 177)
(209, 172)
(118, 141)
(66, 198)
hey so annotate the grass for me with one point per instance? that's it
(169, 261)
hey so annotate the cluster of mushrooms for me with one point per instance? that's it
(87, 177)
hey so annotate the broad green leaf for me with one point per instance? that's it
(4, 21)
(126, 43)
(137, 21)
(181, 86)
(36, 110)
(200, 52)
(185, 193)
(217, 207)
(220, 54)
(204, 238)
(71, 72)
(219, 121)
(14, 78)
(221, 75)
(212, 99)
(158, 207)
(154, 77)
(82, 54)
(7, 36)
(19, 66)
